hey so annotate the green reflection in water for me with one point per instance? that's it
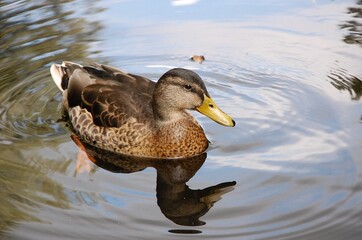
(33, 35)
(25, 185)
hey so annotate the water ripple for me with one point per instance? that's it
(30, 109)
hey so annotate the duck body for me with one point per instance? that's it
(130, 114)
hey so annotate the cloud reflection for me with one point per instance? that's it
(183, 2)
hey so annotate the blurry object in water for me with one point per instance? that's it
(342, 80)
(83, 162)
(198, 58)
(184, 231)
(179, 203)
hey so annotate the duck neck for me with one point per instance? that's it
(167, 114)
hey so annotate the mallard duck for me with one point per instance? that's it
(129, 114)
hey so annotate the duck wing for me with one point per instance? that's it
(109, 94)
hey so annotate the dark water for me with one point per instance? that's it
(289, 72)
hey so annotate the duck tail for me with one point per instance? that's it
(57, 75)
(61, 72)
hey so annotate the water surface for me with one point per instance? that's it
(289, 72)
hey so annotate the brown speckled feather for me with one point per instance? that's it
(111, 98)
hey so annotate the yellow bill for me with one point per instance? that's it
(211, 110)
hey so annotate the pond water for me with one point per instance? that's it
(289, 72)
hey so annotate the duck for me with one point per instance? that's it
(132, 115)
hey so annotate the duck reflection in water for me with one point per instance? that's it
(179, 203)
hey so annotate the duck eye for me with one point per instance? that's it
(188, 87)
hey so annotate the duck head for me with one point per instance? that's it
(180, 89)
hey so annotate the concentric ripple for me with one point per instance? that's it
(30, 109)
(291, 148)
